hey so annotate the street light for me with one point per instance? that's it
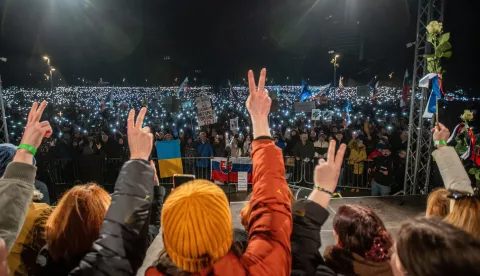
(335, 64)
(50, 69)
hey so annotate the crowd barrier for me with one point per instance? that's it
(299, 173)
(66, 172)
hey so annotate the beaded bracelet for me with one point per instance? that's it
(31, 149)
(322, 190)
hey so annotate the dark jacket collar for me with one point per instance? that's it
(347, 263)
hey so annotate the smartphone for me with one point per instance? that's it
(180, 179)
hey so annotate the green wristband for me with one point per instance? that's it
(440, 142)
(31, 149)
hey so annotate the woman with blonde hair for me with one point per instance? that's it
(438, 204)
(72, 228)
(465, 213)
(463, 201)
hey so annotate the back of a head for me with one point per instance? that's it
(197, 225)
(362, 232)
(75, 223)
(438, 203)
(430, 247)
(465, 215)
(7, 152)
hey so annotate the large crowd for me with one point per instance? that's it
(91, 232)
(90, 121)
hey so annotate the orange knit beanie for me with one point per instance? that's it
(197, 225)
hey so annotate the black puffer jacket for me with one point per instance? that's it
(124, 238)
(308, 218)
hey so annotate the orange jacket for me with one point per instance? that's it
(270, 223)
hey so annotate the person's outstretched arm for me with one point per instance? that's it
(270, 221)
(157, 205)
(17, 183)
(449, 164)
(310, 215)
(123, 241)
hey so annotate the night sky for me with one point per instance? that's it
(214, 41)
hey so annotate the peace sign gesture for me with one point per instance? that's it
(327, 172)
(258, 102)
(140, 139)
(36, 130)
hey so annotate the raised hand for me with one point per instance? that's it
(327, 172)
(258, 104)
(34, 132)
(440, 132)
(140, 140)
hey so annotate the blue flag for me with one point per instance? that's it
(304, 92)
(347, 108)
(432, 100)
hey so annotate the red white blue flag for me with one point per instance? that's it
(224, 169)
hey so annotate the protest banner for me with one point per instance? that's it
(205, 113)
(327, 115)
(234, 124)
(316, 114)
(242, 181)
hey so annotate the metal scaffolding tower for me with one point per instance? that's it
(417, 172)
(3, 121)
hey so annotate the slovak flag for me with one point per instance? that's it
(222, 167)
(437, 91)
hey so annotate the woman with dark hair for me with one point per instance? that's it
(429, 247)
(247, 145)
(363, 243)
(291, 142)
(219, 147)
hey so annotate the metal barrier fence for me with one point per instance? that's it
(299, 173)
(66, 172)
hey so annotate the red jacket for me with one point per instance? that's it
(270, 223)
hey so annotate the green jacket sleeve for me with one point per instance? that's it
(16, 192)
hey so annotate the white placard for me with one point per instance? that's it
(234, 124)
(205, 113)
(242, 181)
(327, 115)
(316, 114)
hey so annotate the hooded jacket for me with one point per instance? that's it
(16, 193)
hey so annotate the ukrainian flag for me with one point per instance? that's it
(169, 158)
